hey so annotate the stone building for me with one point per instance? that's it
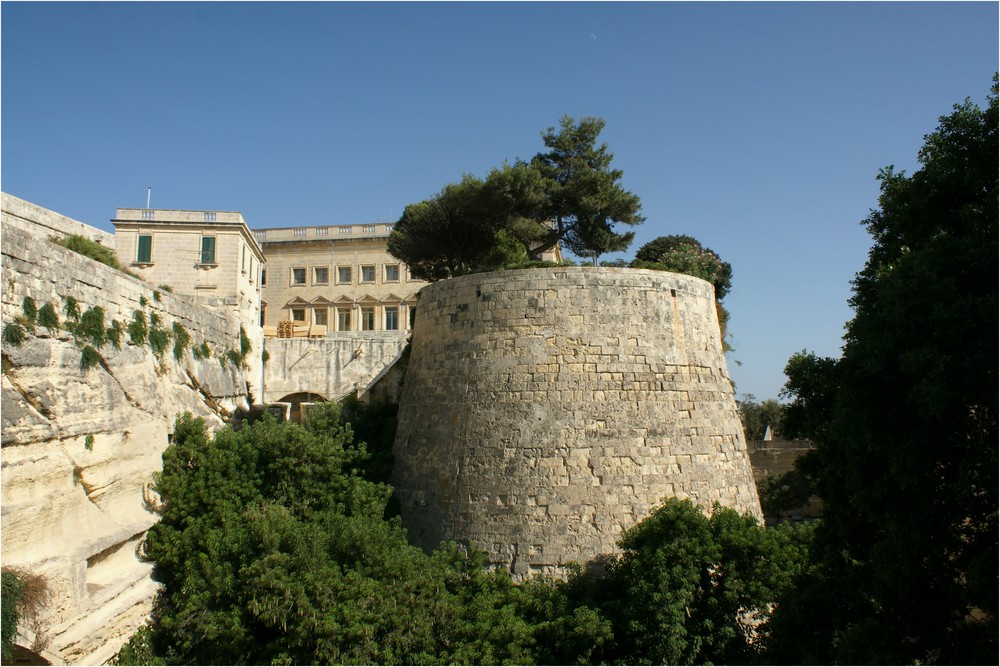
(208, 254)
(340, 277)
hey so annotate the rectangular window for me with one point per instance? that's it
(298, 314)
(367, 274)
(243, 263)
(144, 255)
(344, 275)
(208, 250)
(321, 275)
(263, 277)
(368, 319)
(391, 318)
(392, 273)
(299, 276)
(344, 319)
(319, 316)
(413, 315)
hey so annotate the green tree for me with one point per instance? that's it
(568, 195)
(584, 196)
(273, 549)
(688, 589)
(447, 235)
(758, 415)
(905, 424)
(684, 254)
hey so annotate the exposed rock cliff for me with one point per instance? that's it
(80, 447)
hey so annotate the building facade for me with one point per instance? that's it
(208, 254)
(340, 277)
(205, 253)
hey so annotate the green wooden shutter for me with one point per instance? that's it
(208, 250)
(145, 252)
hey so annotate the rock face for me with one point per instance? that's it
(80, 446)
(545, 411)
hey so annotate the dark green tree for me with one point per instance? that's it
(905, 424)
(568, 195)
(448, 235)
(684, 254)
(584, 196)
(689, 589)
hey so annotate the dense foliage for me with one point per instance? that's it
(684, 254)
(905, 424)
(275, 546)
(568, 194)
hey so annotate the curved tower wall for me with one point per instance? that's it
(546, 410)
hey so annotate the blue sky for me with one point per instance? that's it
(758, 128)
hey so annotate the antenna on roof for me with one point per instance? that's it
(149, 192)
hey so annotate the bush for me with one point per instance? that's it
(29, 309)
(114, 334)
(91, 249)
(181, 340)
(137, 328)
(158, 341)
(89, 358)
(11, 597)
(245, 346)
(71, 308)
(48, 318)
(14, 334)
(91, 327)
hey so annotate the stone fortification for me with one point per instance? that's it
(545, 411)
(42, 223)
(80, 447)
(346, 363)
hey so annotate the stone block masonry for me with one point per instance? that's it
(80, 446)
(547, 410)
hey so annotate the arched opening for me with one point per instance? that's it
(297, 399)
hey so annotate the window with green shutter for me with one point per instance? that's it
(208, 250)
(145, 252)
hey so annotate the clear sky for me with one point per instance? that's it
(759, 129)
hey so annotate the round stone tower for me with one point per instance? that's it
(546, 410)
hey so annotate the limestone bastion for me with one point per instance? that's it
(547, 410)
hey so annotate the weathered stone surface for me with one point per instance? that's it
(331, 367)
(545, 411)
(80, 447)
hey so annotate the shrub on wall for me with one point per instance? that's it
(14, 334)
(137, 328)
(48, 317)
(181, 340)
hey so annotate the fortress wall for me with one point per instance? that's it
(80, 447)
(332, 366)
(545, 411)
(42, 223)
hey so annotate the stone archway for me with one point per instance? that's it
(297, 399)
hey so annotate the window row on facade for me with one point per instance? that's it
(350, 317)
(302, 276)
(205, 251)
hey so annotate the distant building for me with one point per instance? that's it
(340, 277)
